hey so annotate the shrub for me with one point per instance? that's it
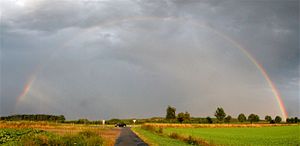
(174, 135)
(191, 140)
(209, 120)
(160, 130)
(148, 127)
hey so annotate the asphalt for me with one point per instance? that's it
(129, 138)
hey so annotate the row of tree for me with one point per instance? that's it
(181, 117)
(37, 117)
(293, 120)
(221, 117)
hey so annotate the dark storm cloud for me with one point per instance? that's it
(96, 59)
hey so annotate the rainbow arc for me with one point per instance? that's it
(264, 73)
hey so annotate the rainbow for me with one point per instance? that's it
(264, 73)
(274, 89)
(26, 88)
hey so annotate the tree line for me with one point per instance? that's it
(171, 117)
(34, 117)
(222, 117)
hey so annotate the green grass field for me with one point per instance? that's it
(155, 139)
(279, 135)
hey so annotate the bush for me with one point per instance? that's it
(174, 136)
(191, 140)
(160, 130)
(209, 120)
(151, 128)
(148, 127)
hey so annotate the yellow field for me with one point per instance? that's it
(108, 133)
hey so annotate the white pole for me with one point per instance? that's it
(103, 123)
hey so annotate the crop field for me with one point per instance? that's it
(39, 133)
(229, 134)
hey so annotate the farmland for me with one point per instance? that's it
(38, 133)
(211, 134)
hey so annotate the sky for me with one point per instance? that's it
(101, 59)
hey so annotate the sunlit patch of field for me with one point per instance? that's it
(154, 139)
(108, 133)
(227, 134)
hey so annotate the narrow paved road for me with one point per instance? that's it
(128, 138)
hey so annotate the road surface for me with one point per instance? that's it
(128, 138)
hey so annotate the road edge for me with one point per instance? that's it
(150, 143)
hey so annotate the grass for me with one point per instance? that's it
(107, 133)
(154, 139)
(275, 135)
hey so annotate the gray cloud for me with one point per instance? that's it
(104, 59)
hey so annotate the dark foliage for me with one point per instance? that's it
(37, 117)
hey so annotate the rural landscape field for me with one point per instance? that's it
(149, 72)
(14, 130)
(49, 133)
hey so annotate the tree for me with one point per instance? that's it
(61, 118)
(183, 117)
(292, 120)
(220, 114)
(180, 117)
(228, 118)
(83, 121)
(277, 119)
(268, 118)
(242, 117)
(253, 118)
(187, 116)
(37, 117)
(289, 120)
(114, 121)
(209, 120)
(171, 113)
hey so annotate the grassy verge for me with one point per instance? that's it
(155, 139)
(278, 135)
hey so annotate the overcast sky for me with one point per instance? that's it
(102, 59)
